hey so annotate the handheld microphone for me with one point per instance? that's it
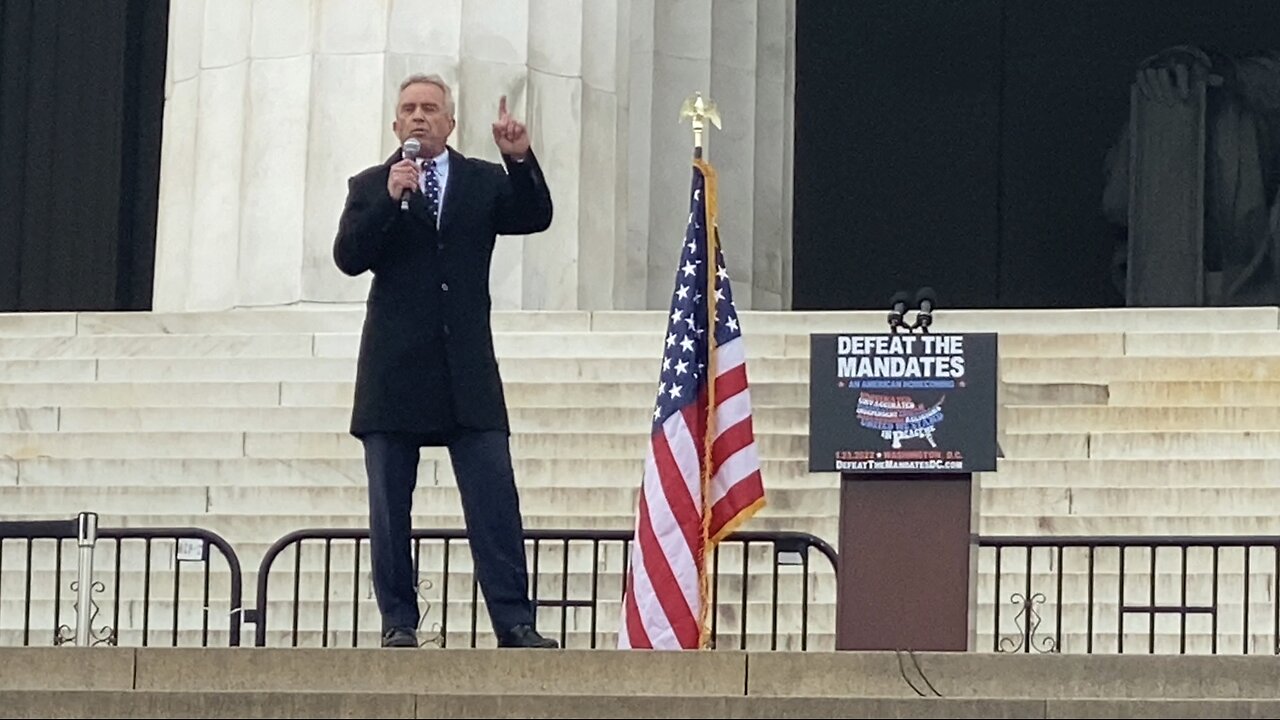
(412, 147)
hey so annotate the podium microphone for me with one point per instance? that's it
(412, 147)
(898, 303)
(926, 300)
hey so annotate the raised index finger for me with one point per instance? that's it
(502, 107)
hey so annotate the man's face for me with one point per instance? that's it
(421, 113)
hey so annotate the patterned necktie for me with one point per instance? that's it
(431, 188)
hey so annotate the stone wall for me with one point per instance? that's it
(272, 104)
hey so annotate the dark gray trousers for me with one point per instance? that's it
(491, 509)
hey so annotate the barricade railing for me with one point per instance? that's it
(575, 579)
(32, 565)
(1118, 594)
(1072, 594)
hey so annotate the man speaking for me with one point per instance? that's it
(424, 223)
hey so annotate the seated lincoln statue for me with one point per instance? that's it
(1195, 198)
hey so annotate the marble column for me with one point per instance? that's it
(273, 104)
(740, 54)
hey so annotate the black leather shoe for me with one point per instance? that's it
(523, 636)
(399, 637)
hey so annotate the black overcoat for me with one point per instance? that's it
(427, 364)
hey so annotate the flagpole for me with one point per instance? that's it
(701, 111)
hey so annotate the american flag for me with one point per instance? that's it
(701, 474)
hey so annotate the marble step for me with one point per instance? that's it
(123, 346)
(338, 418)
(589, 394)
(540, 369)
(1215, 343)
(1144, 445)
(1261, 522)
(1063, 675)
(1202, 393)
(329, 319)
(581, 501)
(1199, 444)
(1099, 502)
(42, 419)
(1018, 508)
(288, 501)
(49, 370)
(288, 686)
(1120, 473)
(1093, 418)
(517, 347)
(260, 472)
(129, 704)
(116, 703)
(536, 393)
(1095, 369)
(280, 445)
(542, 335)
(596, 366)
(350, 316)
(618, 499)
(142, 394)
(508, 345)
(595, 363)
(780, 445)
(834, 674)
(583, 472)
(346, 345)
(547, 393)
(1225, 474)
(1046, 322)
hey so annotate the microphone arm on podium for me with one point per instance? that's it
(898, 311)
(926, 299)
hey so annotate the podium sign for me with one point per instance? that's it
(906, 419)
(902, 403)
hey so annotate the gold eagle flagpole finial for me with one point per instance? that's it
(701, 111)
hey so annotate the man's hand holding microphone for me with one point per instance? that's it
(403, 178)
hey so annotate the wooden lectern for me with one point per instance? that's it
(906, 419)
